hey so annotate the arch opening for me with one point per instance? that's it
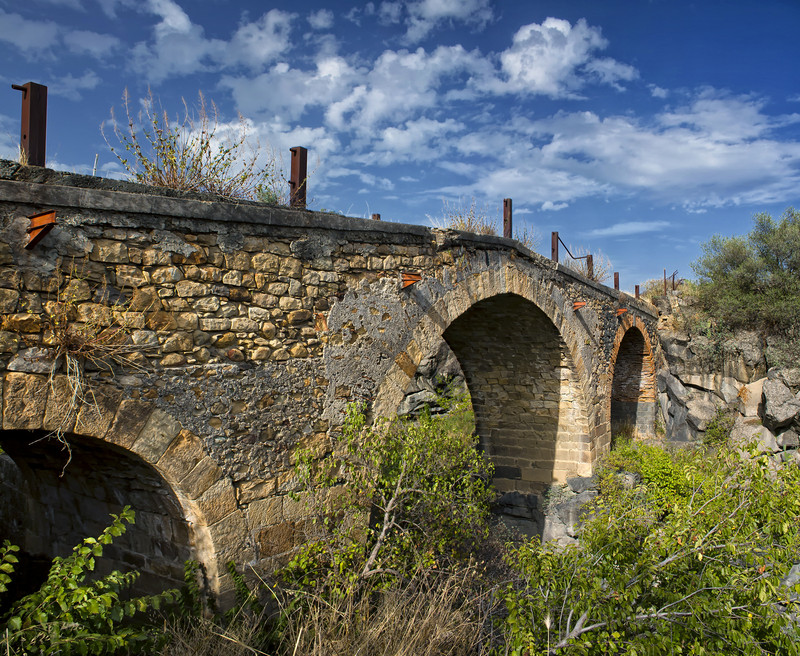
(528, 404)
(61, 509)
(633, 389)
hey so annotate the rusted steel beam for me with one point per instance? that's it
(508, 231)
(665, 282)
(590, 266)
(298, 177)
(410, 278)
(41, 224)
(33, 122)
(376, 217)
(616, 280)
(637, 291)
(554, 247)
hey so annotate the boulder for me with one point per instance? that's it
(780, 405)
(677, 427)
(744, 356)
(788, 439)
(749, 402)
(728, 389)
(747, 430)
(700, 411)
(788, 376)
(33, 360)
(669, 383)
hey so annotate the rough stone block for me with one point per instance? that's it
(202, 476)
(217, 502)
(131, 417)
(181, 456)
(156, 436)
(750, 398)
(265, 512)
(96, 412)
(24, 401)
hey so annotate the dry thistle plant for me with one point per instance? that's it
(476, 219)
(22, 155)
(195, 153)
(601, 269)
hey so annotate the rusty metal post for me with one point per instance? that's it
(665, 282)
(376, 217)
(298, 177)
(33, 122)
(507, 229)
(637, 291)
(616, 280)
(554, 247)
(590, 266)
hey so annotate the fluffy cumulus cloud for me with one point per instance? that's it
(180, 47)
(70, 86)
(556, 59)
(21, 33)
(321, 20)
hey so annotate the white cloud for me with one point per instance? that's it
(180, 47)
(321, 20)
(21, 33)
(70, 87)
(425, 15)
(553, 207)
(555, 59)
(97, 45)
(657, 92)
(628, 228)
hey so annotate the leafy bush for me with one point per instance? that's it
(718, 431)
(72, 615)
(398, 496)
(195, 154)
(753, 281)
(702, 578)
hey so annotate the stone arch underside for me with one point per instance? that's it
(633, 386)
(65, 503)
(125, 452)
(525, 391)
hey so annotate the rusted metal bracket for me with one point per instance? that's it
(298, 177)
(577, 305)
(376, 217)
(41, 224)
(410, 278)
(508, 231)
(621, 311)
(33, 122)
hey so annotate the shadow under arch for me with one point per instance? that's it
(125, 452)
(632, 398)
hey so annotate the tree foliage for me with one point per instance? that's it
(689, 562)
(753, 281)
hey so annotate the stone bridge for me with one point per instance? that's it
(248, 330)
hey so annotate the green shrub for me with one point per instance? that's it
(704, 578)
(398, 495)
(753, 281)
(72, 615)
(718, 431)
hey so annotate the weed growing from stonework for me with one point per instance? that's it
(195, 153)
(83, 327)
(72, 614)
(476, 219)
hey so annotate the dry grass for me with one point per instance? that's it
(477, 219)
(435, 614)
(602, 267)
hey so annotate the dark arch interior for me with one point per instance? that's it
(633, 388)
(525, 395)
(49, 508)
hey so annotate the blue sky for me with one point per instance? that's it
(637, 128)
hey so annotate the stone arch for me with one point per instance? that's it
(187, 506)
(567, 426)
(632, 380)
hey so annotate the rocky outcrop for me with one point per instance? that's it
(704, 379)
